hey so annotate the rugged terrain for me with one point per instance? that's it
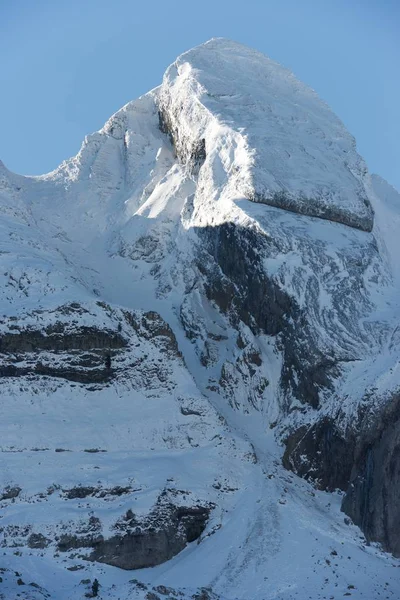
(199, 351)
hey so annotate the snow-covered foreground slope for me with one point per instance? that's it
(191, 304)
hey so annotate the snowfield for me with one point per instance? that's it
(215, 270)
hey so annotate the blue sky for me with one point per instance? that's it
(66, 66)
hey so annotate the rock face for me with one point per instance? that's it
(206, 292)
(236, 280)
(321, 454)
(163, 534)
(137, 542)
(76, 352)
(373, 496)
(363, 462)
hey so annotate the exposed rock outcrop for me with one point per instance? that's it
(139, 543)
(321, 453)
(363, 461)
(373, 496)
(232, 261)
(57, 338)
(79, 353)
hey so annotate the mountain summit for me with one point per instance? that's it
(266, 131)
(199, 351)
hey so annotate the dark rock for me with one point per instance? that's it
(70, 374)
(79, 492)
(363, 461)
(239, 285)
(139, 543)
(164, 533)
(150, 325)
(37, 540)
(231, 262)
(197, 156)
(81, 352)
(254, 358)
(164, 591)
(118, 490)
(373, 496)
(10, 493)
(57, 338)
(69, 541)
(138, 584)
(321, 453)
(192, 154)
(204, 594)
(143, 543)
(190, 411)
(318, 207)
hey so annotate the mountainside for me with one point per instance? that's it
(199, 351)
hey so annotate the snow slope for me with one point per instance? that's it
(266, 132)
(163, 245)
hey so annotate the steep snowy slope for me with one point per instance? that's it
(170, 336)
(253, 122)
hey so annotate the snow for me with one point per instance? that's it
(267, 135)
(117, 224)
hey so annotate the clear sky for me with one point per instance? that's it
(66, 66)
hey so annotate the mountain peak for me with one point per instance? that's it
(286, 146)
(171, 341)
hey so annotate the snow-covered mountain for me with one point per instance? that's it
(199, 351)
